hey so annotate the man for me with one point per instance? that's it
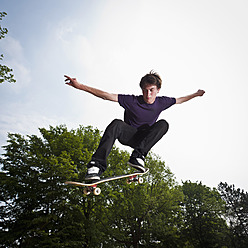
(140, 128)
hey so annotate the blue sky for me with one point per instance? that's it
(110, 45)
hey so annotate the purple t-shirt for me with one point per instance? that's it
(138, 112)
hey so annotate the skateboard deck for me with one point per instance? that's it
(92, 186)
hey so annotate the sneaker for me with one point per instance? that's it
(137, 162)
(93, 172)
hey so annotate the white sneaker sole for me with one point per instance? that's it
(139, 167)
(92, 178)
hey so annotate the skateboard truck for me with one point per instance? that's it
(92, 189)
(135, 178)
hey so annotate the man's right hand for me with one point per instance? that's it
(96, 92)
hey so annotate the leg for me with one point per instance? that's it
(151, 136)
(117, 129)
(146, 139)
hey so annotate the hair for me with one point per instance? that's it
(152, 78)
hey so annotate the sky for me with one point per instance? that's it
(110, 45)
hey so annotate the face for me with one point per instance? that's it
(150, 93)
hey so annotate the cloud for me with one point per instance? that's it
(14, 57)
(24, 124)
(79, 49)
(12, 47)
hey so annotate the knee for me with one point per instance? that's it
(116, 123)
(163, 126)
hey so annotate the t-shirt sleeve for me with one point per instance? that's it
(167, 101)
(125, 100)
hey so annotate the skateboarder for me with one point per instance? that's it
(140, 128)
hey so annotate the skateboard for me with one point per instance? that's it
(92, 186)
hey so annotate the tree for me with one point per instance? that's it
(37, 209)
(236, 213)
(5, 72)
(146, 215)
(203, 211)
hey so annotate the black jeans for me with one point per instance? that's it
(140, 139)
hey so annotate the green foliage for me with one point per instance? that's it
(3, 31)
(5, 72)
(146, 214)
(203, 211)
(38, 210)
(236, 213)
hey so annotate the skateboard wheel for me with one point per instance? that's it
(97, 191)
(86, 191)
(140, 180)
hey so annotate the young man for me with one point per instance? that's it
(140, 128)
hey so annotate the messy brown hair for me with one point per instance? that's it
(152, 78)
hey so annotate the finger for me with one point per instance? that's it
(68, 78)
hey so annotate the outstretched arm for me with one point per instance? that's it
(189, 97)
(96, 92)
